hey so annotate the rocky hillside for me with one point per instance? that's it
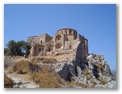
(113, 73)
(91, 72)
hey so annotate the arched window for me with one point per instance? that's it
(58, 38)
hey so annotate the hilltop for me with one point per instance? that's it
(45, 72)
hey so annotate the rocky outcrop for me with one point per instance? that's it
(89, 72)
(92, 72)
(113, 73)
(19, 82)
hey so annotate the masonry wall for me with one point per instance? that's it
(64, 40)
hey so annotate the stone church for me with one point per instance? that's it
(65, 41)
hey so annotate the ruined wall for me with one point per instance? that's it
(43, 38)
(32, 39)
(65, 40)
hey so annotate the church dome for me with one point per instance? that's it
(66, 31)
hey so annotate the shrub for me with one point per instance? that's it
(8, 83)
(47, 79)
(104, 73)
(49, 60)
(102, 81)
(71, 84)
(93, 82)
(91, 85)
(100, 68)
(10, 70)
(21, 67)
(85, 71)
(91, 74)
(24, 67)
(83, 85)
(44, 60)
(88, 77)
(37, 59)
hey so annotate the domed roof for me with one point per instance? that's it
(66, 29)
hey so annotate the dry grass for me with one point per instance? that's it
(10, 70)
(8, 83)
(43, 60)
(57, 58)
(21, 67)
(47, 79)
(36, 59)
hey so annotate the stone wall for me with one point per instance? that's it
(65, 39)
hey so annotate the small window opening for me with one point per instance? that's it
(70, 47)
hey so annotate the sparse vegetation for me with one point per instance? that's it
(10, 70)
(93, 82)
(43, 60)
(102, 81)
(21, 67)
(8, 83)
(83, 85)
(47, 79)
(37, 59)
(100, 68)
(88, 77)
(91, 85)
(85, 71)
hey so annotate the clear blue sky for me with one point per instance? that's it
(96, 22)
